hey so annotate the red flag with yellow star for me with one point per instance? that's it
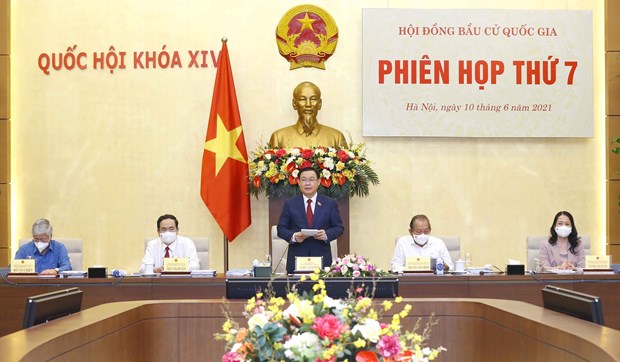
(224, 186)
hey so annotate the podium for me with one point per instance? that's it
(336, 287)
(275, 208)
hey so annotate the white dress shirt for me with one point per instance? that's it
(182, 247)
(406, 247)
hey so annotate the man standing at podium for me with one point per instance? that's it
(309, 211)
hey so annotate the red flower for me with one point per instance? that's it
(326, 182)
(343, 156)
(270, 152)
(327, 326)
(291, 167)
(256, 181)
(406, 356)
(293, 180)
(295, 321)
(274, 179)
(307, 153)
(340, 178)
(281, 152)
(305, 163)
(366, 356)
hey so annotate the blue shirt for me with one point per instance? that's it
(55, 257)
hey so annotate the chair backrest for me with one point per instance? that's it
(453, 244)
(74, 248)
(533, 243)
(202, 249)
(278, 246)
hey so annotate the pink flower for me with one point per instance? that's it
(232, 357)
(356, 273)
(327, 326)
(389, 346)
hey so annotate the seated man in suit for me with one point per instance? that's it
(309, 211)
(50, 256)
(420, 243)
(169, 245)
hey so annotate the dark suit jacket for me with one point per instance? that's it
(293, 219)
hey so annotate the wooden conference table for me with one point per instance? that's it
(182, 330)
(525, 288)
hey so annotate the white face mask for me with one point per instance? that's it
(563, 231)
(41, 245)
(168, 237)
(420, 239)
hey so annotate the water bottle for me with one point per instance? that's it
(439, 266)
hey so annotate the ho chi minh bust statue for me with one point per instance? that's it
(307, 132)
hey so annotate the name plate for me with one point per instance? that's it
(598, 262)
(415, 263)
(23, 266)
(176, 264)
(308, 263)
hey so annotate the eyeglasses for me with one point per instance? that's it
(307, 180)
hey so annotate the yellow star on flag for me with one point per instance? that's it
(224, 145)
(306, 23)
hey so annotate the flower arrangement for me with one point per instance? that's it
(315, 327)
(352, 266)
(343, 172)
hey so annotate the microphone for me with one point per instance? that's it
(280, 261)
(533, 275)
(119, 273)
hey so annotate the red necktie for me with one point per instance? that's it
(167, 255)
(309, 213)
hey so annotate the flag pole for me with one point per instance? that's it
(225, 254)
(224, 40)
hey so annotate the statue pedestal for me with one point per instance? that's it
(275, 208)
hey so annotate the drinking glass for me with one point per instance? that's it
(467, 261)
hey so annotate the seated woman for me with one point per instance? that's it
(564, 249)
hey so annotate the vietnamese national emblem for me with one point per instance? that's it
(307, 36)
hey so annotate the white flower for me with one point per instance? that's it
(295, 152)
(303, 347)
(328, 163)
(259, 319)
(326, 173)
(268, 156)
(291, 311)
(351, 154)
(337, 304)
(300, 309)
(295, 173)
(369, 329)
(319, 152)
